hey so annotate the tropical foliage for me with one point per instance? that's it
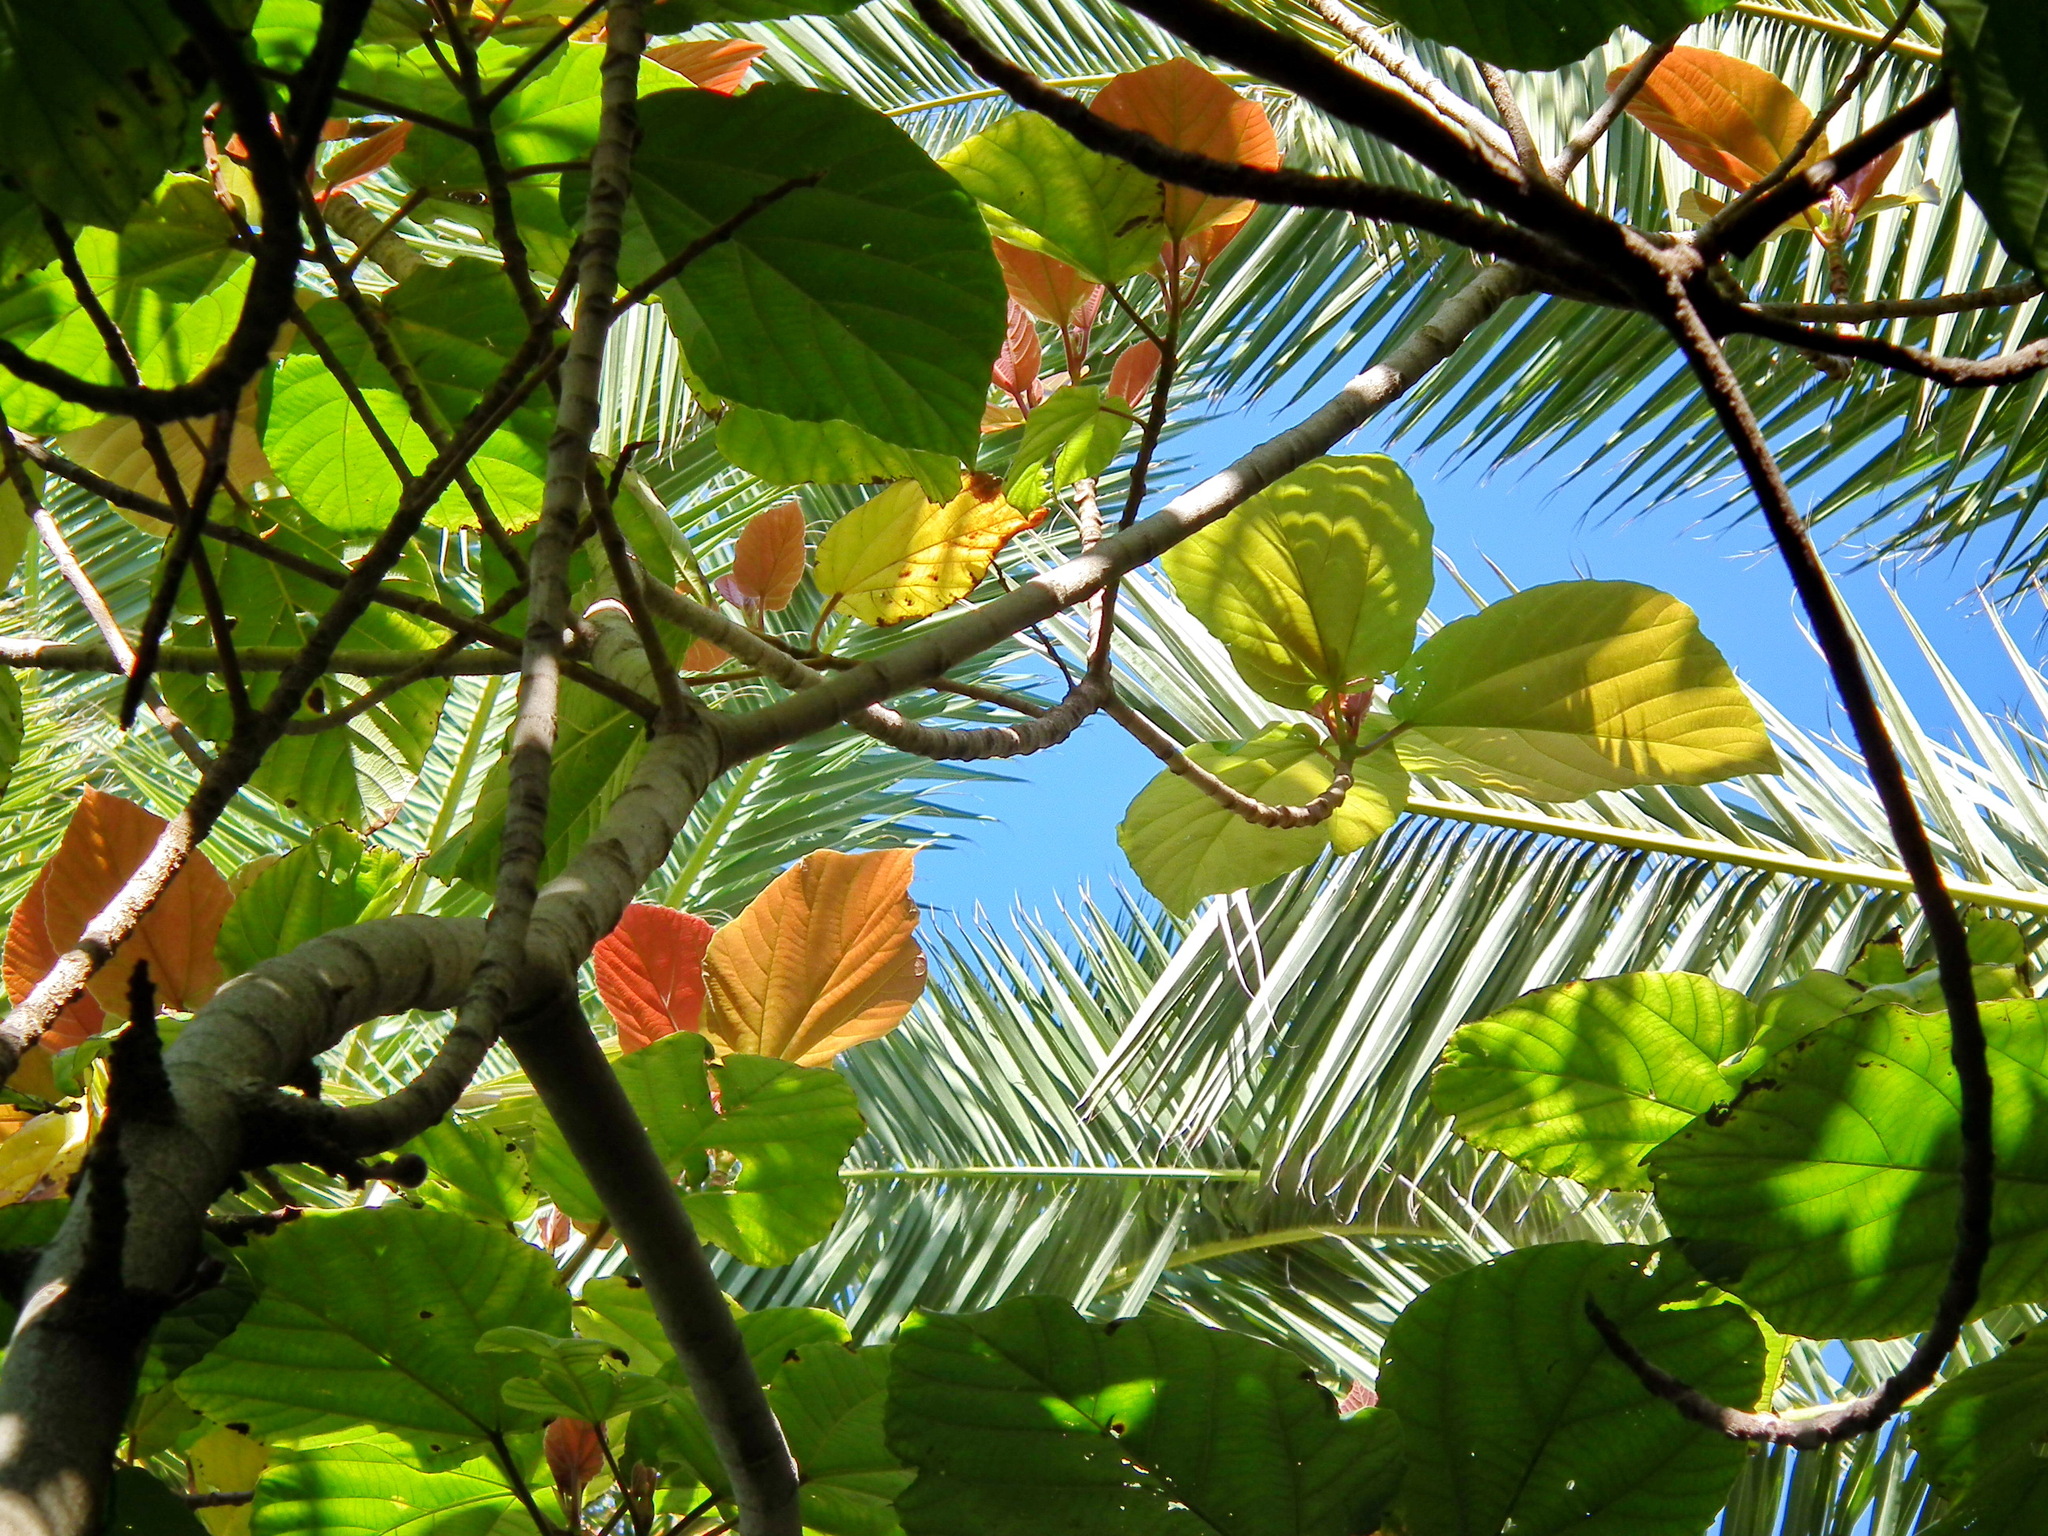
(437, 1102)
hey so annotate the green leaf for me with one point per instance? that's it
(870, 298)
(617, 1310)
(1316, 583)
(92, 116)
(1031, 1418)
(1071, 432)
(368, 1323)
(190, 1330)
(1580, 1081)
(1516, 1417)
(473, 1171)
(785, 452)
(575, 1378)
(1040, 189)
(1827, 1198)
(366, 1490)
(169, 279)
(788, 1127)
(16, 523)
(830, 1400)
(455, 326)
(1996, 55)
(1578, 686)
(1185, 846)
(332, 881)
(1979, 1441)
(1542, 34)
(10, 728)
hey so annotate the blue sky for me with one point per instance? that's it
(1054, 827)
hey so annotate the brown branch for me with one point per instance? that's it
(33, 653)
(632, 585)
(1433, 215)
(2005, 294)
(1452, 107)
(1527, 155)
(1838, 646)
(1259, 813)
(538, 56)
(1954, 372)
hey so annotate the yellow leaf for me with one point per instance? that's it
(228, 1461)
(50, 1148)
(1723, 116)
(900, 556)
(824, 959)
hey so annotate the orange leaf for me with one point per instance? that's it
(1722, 116)
(768, 560)
(1181, 104)
(650, 973)
(1134, 372)
(575, 1454)
(106, 842)
(703, 656)
(1209, 244)
(362, 160)
(1017, 365)
(1049, 288)
(716, 64)
(824, 959)
(28, 958)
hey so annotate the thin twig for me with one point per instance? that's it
(627, 577)
(1595, 127)
(2000, 297)
(1260, 813)
(1454, 109)
(1527, 155)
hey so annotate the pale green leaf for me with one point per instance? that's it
(1040, 189)
(332, 881)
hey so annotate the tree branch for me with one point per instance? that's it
(1486, 137)
(2000, 297)
(1838, 646)
(1594, 129)
(1311, 813)
(1954, 372)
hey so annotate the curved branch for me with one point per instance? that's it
(1954, 372)
(1967, 1051)
(1260, 813)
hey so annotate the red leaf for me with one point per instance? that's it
(1181, 104)
(575, 1455)
(1865, 184)
(106, 842)
(28, 959)
(1049, 288)
(360, 161)
(650, 973)
(768, 560)
(1017, 365)
(1132, 377)
(716, 64)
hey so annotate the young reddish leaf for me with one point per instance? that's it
(899, 556)
(1181, 104)
(575, 1455)
(1017, 365)
(106, 842)
(28, 958)
(1131, 379)
(1049, 288)
(824, 959)
(703, 656)
(1209, 244)
(768, 560)
(718, 64)
(551, 1229)
(1859, 188)
(361, 160)
(1723, 116)
(650, 973)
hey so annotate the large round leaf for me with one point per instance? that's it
(1185, 845)
(365, 1490)
(1578, 686)
(369, 1321)
(870, 298)
(1042, 191)
(1979, 1440)
(1031, 1418)
(1315, 584)
(1516, 1417)
(1582, 1080)
(1997, 56)
(1827, 1198)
